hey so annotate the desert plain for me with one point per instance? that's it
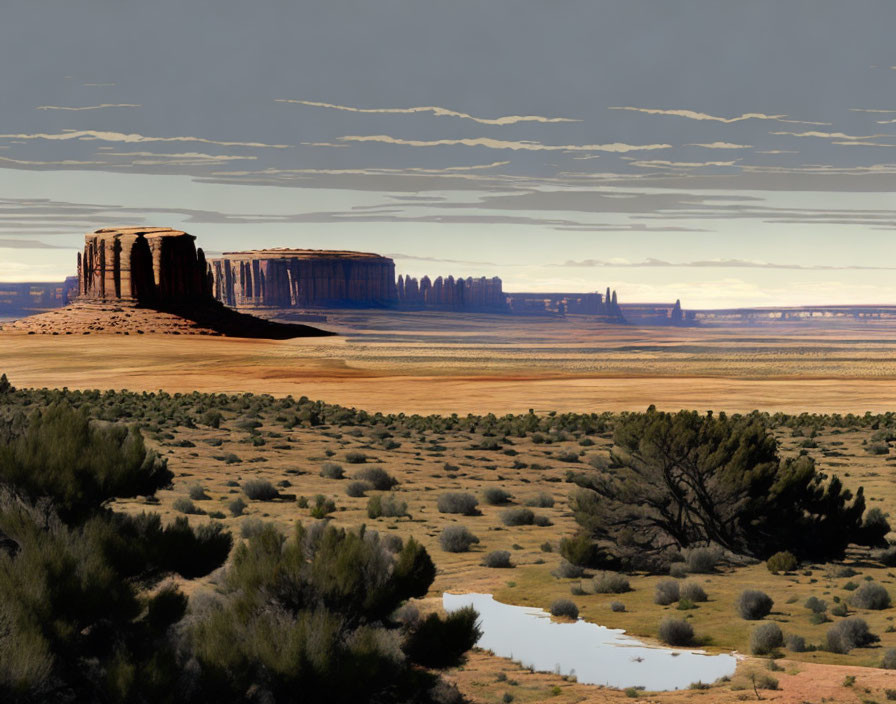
(446, 364)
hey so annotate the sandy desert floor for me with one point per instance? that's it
(441, 363)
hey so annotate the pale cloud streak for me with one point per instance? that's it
(502, 144)
(129, 138)
(88, 107)
(722, 145)
(694, 115)
(434, 110)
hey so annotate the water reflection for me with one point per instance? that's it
(594, 654)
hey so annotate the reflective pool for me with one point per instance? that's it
(594, 654)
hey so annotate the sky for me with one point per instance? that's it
(721, 152)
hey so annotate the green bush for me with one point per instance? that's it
(782, 562)
(816, 605)
(387, 506)
(321, 506)
(442, 643)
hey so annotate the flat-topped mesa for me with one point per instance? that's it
(144, 265)
(288, 278)
(479, 294)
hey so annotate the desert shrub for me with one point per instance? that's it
(782, 562)
(667, 592)
(184, 505)
(795, 643)
(816, 605)
(579, 550)
(355, 457)
(212, 418)
(540, 500)
(302, 501)
(838, 610)
(665, 464)
(497, 558)
(702, 560)
(495, 496)
(197, 493)
(610, 583)
(878, 448)
(439, 643)
(386, 505)
(331, 470)
(251, 527)
(322, 506)
(754, 605)
(617, 606)
(518, 516)
(564, 608)
(693, 592)
(567, 570)
(679, 570)
(357, 489)
(312, 614)
(457, 539)
(542, 521)
(378, 477)
(887, 556)
(260, 490)
(766, 638)
(457, 502)
(851, 586)
(870, 596)
(889, 660)
(849, 633)
(764, 681)
(840, 572)
(675, 631)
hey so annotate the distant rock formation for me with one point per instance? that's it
(290, 278)
(138, 280)
(468, 294)
(595, 304)
(149, 266)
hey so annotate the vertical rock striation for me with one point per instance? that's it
(149, 266)
(287, 278)
(481, 294)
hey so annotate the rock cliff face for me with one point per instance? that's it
(149, 266)
(287, 278)
(469, 294)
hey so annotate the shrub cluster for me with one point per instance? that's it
(387, 506)
(518, 516)
(667, 592)
(457, 502)
(377, 477)
(495, 496)
(754, 605)
(564, 608)
(497, 558)
(610, 583)
(260, 490)
(331, 470)
(870, 596)
(782, 562)
(766, 638)
(849, 633)
(457, 539)
(676, 632)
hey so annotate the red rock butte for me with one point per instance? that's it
(144, 265)
(284, 278)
